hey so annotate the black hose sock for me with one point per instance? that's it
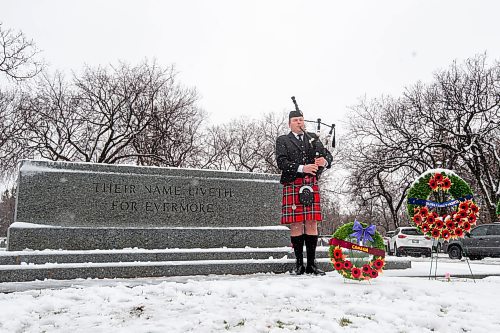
(311, 241)
(298, 248)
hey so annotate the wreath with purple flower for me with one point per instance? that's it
(350, 249)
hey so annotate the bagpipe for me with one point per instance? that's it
(306, 196)
(331, 133)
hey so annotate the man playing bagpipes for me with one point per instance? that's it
(301, 157)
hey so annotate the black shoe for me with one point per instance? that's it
(298, 270)
(314, 270)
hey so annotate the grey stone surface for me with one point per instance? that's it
(136, 255)
(10, 274)
(100, 195)
(161, 238)
(22, 273)
(37, 258)
(78, 206)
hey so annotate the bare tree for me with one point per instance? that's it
(384, 153)
(18, 55)
(244, 144)
(463, 106)
(332, 217)
(123, 114)
(216, 144)
(7, 203)
(173, 135)
(6, 121)
(452, 122)
(10, 128)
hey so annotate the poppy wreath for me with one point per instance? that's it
(457, 195)
(353, 268)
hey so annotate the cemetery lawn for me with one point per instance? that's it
(394, 302)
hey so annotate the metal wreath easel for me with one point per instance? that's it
(434, 261)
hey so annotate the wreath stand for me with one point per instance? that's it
(435, 258)
(434, 262)
(430, 200)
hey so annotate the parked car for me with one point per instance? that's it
(482, 241)
(410, 241)
(438, 244)
(387, 239)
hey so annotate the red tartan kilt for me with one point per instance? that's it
(301, 213)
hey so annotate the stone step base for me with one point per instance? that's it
(141, 255)
(144, 255)
(20, 266)
(70, 271)
(23, 236)
(21, 273)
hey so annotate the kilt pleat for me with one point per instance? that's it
(301, 213)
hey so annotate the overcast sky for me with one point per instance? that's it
(250, 57)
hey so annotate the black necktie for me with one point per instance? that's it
(300, 137)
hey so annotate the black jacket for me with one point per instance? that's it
(290, 153)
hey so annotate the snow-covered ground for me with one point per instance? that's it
(394, 302)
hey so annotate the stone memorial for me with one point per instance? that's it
(81, 206)
(121, 221)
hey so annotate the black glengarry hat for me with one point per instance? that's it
(295, 113)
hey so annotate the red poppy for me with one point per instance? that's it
(373, 274)
(431, 219)
(450, 224)
(466, 226)
(463, 206)
(424, 211)
(435, 215)
(459, 233)
(337, 253)
(425, 228)
(438, 177)
(472, 218)
(378, 264)
(417, 219)
(366, 269)
(433, 185)
(446, 185)
(338, 265)
(347, 264)
(439, 224)
(474, 208)
(355, 272)
(435, 233)
(457, 218)
(462, 214)
(445, 234)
